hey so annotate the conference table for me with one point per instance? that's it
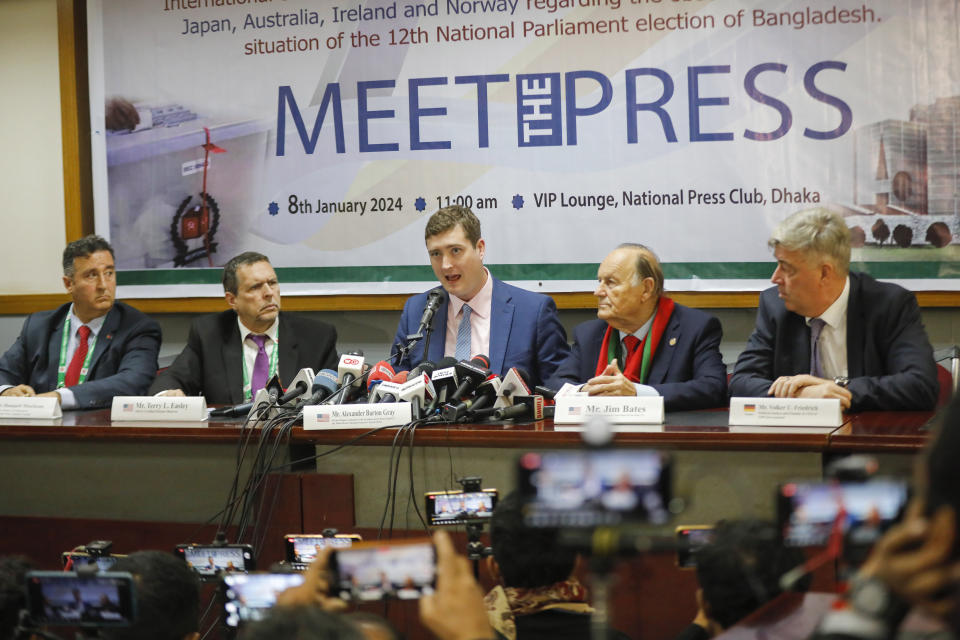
(152, 485)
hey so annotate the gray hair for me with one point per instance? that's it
(648, 266)
(85, 246)
(815, 231)
(230, 269)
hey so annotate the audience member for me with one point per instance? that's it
(737, 573)
(168, 598)
(13, 594)
(538, 596)
(301, 622)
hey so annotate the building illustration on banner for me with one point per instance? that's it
(907, 179)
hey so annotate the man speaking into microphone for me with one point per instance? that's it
(231, 355)
(480, 314)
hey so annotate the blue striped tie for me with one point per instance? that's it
(463, 335)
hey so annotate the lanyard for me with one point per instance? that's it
(247, 390)
(62, 367)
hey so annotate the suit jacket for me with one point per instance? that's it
(124, 359)
(212, 362)
(525, 332)
(889, 358)
(687, 369)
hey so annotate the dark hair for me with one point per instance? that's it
(303, 622)
(648, 266)
(361, 618)
(527, 557)
(230, 269)
(168, 597)
(741, 570)
(449, 217)
(13, 592)
(85, 246)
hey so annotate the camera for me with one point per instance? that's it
(460, 507)
(370, 571)
(303, 548)
(690, 539)
(209, 560)
(85, 600)
(248, 596)
(593, 488)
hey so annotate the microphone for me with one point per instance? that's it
(426, 367)
(349, 369)
(241, 409)
(381, 372)
(471, 374)
(416, 391)
(266, 397)
(523, 407)
(435, 298)
(548, 394)
(324, 384)
(386, 392)
(515, 383)
(401, 377)
(486, 394)
(299, 387)
(444, 379)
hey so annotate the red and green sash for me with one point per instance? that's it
(637, 365)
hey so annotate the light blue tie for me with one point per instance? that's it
(463, 335)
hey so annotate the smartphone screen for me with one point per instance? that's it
(303, 548)
(210, 560)
(690, 540)
(73, 559)
(248, 596)
(373, 570)
(459, 507)
(65, 598)
(807, 511)
(595, 488)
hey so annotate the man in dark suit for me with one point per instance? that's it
(665, 349)
(90, 350)
(230, 355)
(482, 315)
(827, 332)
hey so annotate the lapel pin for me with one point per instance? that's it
(673, 341)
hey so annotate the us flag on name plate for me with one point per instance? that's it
(323, 417)
(574, 411)
(128, 406)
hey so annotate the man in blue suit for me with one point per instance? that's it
(87, 351)
(642, 343)
(482, 315)
(827, 332)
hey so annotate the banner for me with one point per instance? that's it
(324, 133)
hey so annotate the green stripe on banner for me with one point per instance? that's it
(413, 273)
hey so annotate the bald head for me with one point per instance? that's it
(630, 282)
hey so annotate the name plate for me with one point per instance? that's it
(616, 409)
(786, 412)
(356, 416)
(153, 408)
(30, 408)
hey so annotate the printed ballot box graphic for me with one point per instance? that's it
(160, 215)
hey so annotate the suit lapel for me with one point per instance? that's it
(501, 321)
(665, 350)
(438, 335)
(105, 338)
(54, 341)
(855, 330)
(287, 367)
(232, 354)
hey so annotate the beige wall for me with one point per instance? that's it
(31, 162)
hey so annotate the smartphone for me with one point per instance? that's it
(66, 598)
(303, 548)
(460, 507)
(807, 511)
(209, 560)
(248, 596)
(74, 559)
(369, 571)
(690, 539)
(595, 488)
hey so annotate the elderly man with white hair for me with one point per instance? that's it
(827, 332)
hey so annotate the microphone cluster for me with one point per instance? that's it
(448, 391)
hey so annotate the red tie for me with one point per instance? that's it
(631, 342)
(73, 371)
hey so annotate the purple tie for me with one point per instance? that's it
(261, 367)
(816, 327)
